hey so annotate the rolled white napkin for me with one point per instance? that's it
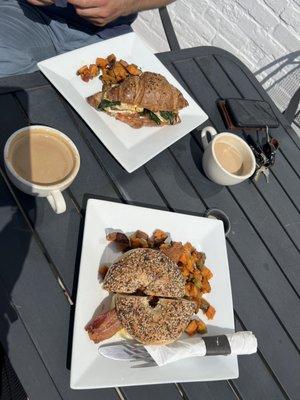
(230, 344)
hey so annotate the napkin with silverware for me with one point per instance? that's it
(230, 344)
(238, 343)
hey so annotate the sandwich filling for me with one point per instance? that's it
(159, 117)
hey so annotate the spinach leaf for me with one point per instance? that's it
(108, 103)
(168, 116)
(152, 116)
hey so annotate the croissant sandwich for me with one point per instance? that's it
(144, 100)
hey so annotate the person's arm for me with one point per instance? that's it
(101, 12)
(40, 3)
(142, 5)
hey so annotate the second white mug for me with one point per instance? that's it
(227, 159)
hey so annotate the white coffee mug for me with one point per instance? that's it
(51, 192)
(212, 166)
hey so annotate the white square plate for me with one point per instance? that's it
(91, 370)
(131, 147)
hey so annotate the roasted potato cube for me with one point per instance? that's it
(141, 235)
(120, 238)
(120, 72)
(185, 272)
(94, 71)
(85, 75)
(138, 243)
(106, 78)
(81, 70)
(159, 237)
(191, 329)
(101, 62)
(204, 305)
(174, 251)
(210, 313)
(205, 286)
(201, 327)
(200, 258)
(133, 70)
(111, 59)
(206, 272)
(124, 63)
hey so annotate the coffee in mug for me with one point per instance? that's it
(227, 158)
(41, 157)
(42, 161)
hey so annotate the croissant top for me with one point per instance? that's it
(149, 90)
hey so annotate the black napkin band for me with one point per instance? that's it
(217, 345)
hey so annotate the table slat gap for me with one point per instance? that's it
(264, 243)
(259, 352)
(263, 295)
(276, 217)
(39, 242)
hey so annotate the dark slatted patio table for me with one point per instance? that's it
(40, 250)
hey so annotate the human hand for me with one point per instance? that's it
(40, 3)
(101, 12)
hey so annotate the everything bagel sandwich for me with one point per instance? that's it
(159, 323)
(145, 270)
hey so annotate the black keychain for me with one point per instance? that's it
(264, 154)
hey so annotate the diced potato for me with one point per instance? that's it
(124, 63)
(206, 272)
(101, 62)
(210, 313)
(82, 69)
(197, 275)
(205, 286)
(204, 305)
(120, 72)
(111, 59)
(200, 258)
(107, 78)
(138, 243)
(94, 71)
(191, 329)
(185, 272)
(159, 237)
(120, 239)
(174, 251)
(141, 235)
(85, 75)
(201, 327)
(133, 70)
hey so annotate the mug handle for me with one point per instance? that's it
(204, 132)
(57, 201)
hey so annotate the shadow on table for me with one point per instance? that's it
(203, 187)
(15, 238)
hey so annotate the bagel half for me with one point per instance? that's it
(147, 270)
(160, 325)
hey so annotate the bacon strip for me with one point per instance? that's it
(104, 326)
